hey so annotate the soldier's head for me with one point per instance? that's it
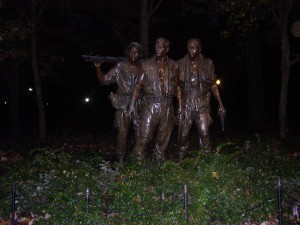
(161, 46)
(134, 51)
(194, 47)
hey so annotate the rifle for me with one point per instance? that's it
(222, 118)
(102, 59)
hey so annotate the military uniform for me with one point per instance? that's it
(159, 85)
(125, 77)
(196, 100)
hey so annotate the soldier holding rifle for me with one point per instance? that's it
(124, 74)
(198, 79)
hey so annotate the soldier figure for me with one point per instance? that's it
(159, 82)
(198, 79)
(125, 74)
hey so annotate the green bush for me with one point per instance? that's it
(234, 185)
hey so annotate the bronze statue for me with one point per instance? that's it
(197, 79)
(159, 83)
(125, 74)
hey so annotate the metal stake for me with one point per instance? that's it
(186, 201)
(279, 201)
(13, 202)
(87, 197)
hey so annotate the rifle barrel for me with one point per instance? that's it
(106, 59)
(222, 120)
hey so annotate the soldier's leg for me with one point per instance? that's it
(183, 141)
(203, 123)
(147, 126)
(164, 131)
(123, 121)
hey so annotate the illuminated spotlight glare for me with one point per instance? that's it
(218, 82)
(87, 99)
(5, 103)
(30, 89)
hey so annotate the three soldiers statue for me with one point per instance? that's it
(145, 92)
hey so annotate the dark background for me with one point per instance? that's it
(69, 29)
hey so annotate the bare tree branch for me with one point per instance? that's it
(153, 8)
(290, 3)
(276, 20)
(294, 61)
(150, 6)
(42, 9)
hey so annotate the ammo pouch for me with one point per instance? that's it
(119, 101)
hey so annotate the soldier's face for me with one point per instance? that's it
(134, 54)
(160, 49)
(193, 49)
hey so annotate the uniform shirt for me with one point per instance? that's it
(151, 81)
(196, 90)
(124, 76)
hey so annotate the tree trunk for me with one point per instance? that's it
(144, 25)
(38, 91)
(36, 77)
(285, 73)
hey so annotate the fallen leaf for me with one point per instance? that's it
(138, 199)
(215, 174)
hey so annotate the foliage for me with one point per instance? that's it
(234, 185)
(244, 14)
(10, 39)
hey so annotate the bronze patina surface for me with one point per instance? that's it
(198, 80)
(124, 74)
(159, 84)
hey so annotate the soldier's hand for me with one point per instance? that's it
(180, 110)
(131, 108)
(221, 110)
(97, 64)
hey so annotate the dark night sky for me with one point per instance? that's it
(76, 79)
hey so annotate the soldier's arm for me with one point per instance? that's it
(216, 93)
(214, 88)
(99, 72)
(110, 77)
(137, 91)
(179, 94)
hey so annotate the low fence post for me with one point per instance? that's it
(13, 202)
(87, 197)
(186, 202)
(279, 201)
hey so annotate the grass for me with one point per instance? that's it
(234, 185)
